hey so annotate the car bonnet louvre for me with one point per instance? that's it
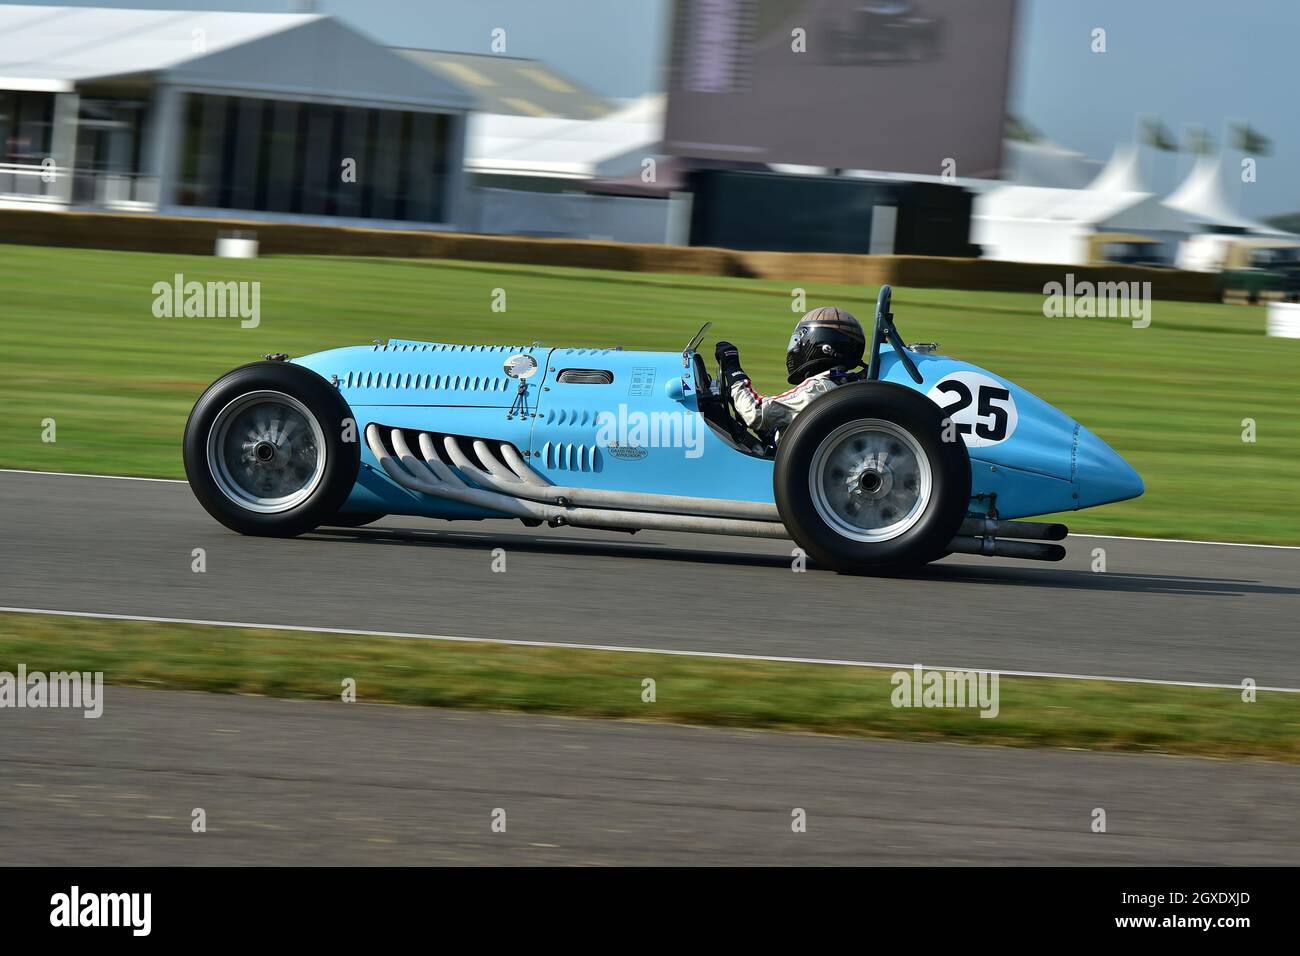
(586, 376)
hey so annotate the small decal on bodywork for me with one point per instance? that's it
(628, 452)
(643, 382)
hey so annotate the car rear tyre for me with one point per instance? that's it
(265, 450)
(865, 483)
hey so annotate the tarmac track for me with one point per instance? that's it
(1162, 610)
(299, 782)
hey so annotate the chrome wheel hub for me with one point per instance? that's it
(266, 452)
(870, 480)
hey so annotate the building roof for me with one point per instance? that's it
(298, 55)
(62, 45)
(566, 148)
(513, 86)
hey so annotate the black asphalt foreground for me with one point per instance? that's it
(312, 783)
(1160, 610)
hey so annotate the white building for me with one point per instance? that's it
(270, 115)
(535, 173)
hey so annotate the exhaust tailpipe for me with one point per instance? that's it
(1005, 548)
(1032, 530)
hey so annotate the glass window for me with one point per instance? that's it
(203, 151)
(227, 126)
(6, 123)
(265, 146)
(441, 167)
(244, 140)
(315, 157)
(283, 188)
(30, 128)
(279, 156)
(419, 190)
(386, 165)
(366, 169)
(351, 147)
(403, 181)
(192, 124)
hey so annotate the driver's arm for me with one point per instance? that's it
(765, 414)
(747, 402)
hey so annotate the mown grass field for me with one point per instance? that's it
(848, 701)
(79, 343)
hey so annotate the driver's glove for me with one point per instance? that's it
(728, 357)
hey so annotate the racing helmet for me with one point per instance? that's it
(824, 338)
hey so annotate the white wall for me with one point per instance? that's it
(1031, 240)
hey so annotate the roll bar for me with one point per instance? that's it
(885, 330)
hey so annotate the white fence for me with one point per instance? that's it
(49, 184)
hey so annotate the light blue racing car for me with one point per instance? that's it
(926, 456)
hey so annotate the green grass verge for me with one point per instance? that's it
(715, 692)
(79, 343)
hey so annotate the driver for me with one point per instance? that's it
(827, 344)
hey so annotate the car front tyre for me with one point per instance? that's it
(270, 449)
(865, 482)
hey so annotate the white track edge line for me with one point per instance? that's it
(80, 474)
(720, 655)
(1108, 537)
(1223, 544)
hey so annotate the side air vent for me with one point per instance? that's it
(571, 456)
(586, 376)
(428, 382)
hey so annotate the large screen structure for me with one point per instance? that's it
(913, 86)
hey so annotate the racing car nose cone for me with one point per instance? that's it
(1100, 474)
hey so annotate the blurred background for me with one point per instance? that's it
(1025, 131)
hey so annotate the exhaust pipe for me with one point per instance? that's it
(433, 477)
(1003, 548)
(516, 490)
(1032, 530)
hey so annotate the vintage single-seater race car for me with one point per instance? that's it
(925, 456)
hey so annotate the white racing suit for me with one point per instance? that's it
(771, 414)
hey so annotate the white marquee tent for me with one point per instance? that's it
(1204, 197)
(1043, 224)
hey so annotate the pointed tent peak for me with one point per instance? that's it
(1122, 173)
(1206, 197)
(1204, 193)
